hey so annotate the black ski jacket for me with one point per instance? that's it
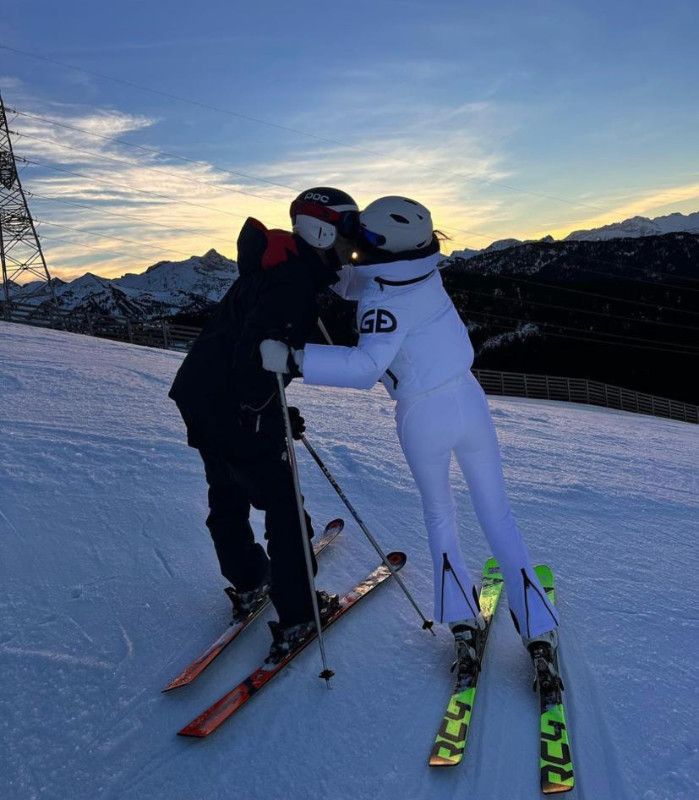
(227, 400)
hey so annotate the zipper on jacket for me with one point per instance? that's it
(386, 282)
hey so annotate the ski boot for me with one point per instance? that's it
(245, 603)
(469, 641)
(286, 639)
(328, 604)
(544, 652)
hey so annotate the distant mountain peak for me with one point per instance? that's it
(164, 289)
(635, 227)
(502, 244)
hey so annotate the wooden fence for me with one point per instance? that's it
(514, 384)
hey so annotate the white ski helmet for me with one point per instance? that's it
(396, 224)
(319, 214)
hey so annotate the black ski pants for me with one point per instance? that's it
(267, 485)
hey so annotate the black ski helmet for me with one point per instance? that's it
(318, 215)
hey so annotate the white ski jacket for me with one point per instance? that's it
(411, 336)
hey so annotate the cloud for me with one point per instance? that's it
(8, 82)
(43, 140)
(150, 206)
(83, 187)
(443, 156)
(430, 176)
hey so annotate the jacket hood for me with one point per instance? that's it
(261, 249)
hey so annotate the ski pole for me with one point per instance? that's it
(426, 623)
(326, 672)
(324, 331)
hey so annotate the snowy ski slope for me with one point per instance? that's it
(108, 585)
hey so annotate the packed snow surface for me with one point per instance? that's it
(109, 585)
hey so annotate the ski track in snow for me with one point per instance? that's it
(109, 584)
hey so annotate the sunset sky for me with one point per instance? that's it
(506, 118)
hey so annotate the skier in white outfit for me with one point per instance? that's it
(413, 340)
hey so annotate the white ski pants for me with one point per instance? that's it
(455, 419)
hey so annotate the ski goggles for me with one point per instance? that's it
(374, 239)
(346, 222)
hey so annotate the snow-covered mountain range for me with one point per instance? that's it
(175, 287)
(632, 228)
(165, 289)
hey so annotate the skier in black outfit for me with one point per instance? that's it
(231, 407)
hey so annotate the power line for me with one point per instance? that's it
(236, 174)
(686, 348)
(226, 189)
(558, 288)
(113, 213)
(74, 243)
(507, 277)
(630, 278)
(500, 276)
(222, 189)
(592, 341)
(582, 311)
(130, 188)
(197, 103)
(117, 238)
(470, 313)
(285, 128)
(217, 167)
(582, 259)
(104, 157)
(673, 275)
(469, 291)
(154, 150)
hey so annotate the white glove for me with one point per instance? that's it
(275, 356)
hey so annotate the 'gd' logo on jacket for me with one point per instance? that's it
(378, 321)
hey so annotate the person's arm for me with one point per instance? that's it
(382, 330)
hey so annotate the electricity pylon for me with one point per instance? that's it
(20, 248)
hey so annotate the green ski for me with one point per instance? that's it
(450, 743)
(555, 762)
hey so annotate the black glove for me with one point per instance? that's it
(298, 423)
